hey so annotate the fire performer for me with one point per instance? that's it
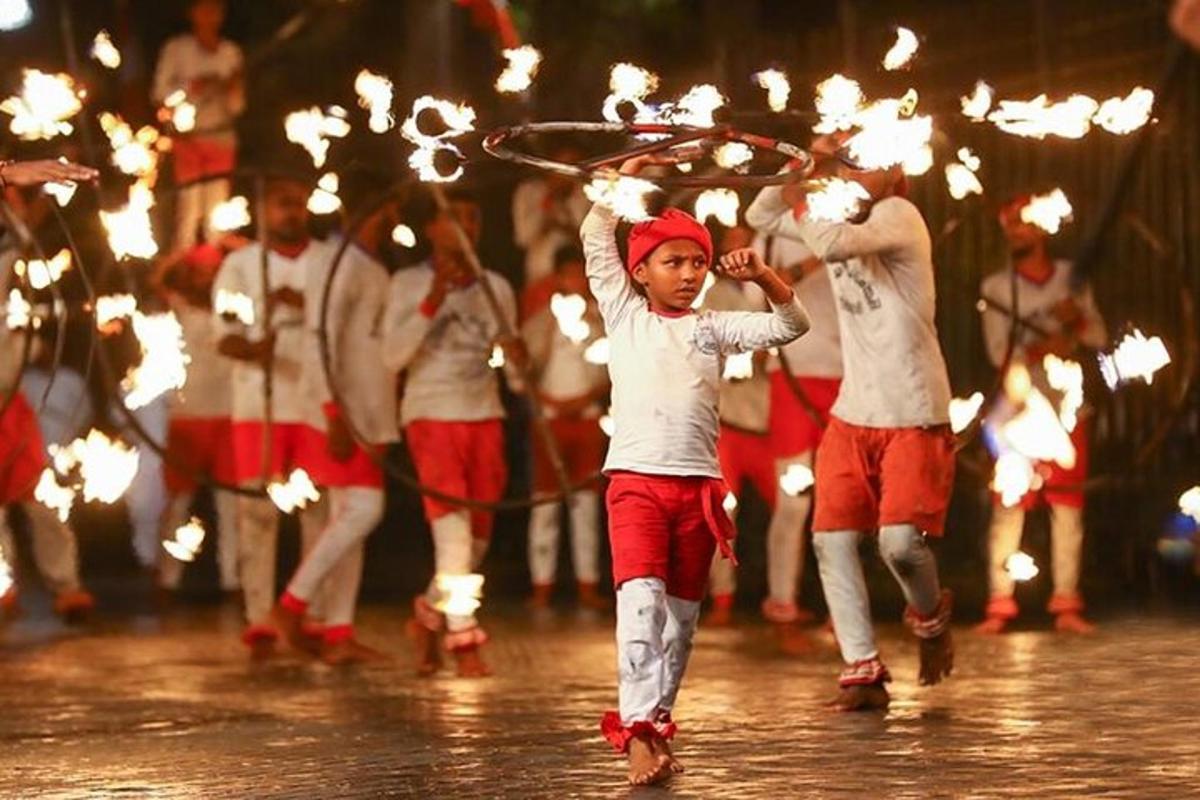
(439, 330)
(277, 345)
(666, 492)
(887, 459)
(368, 390)
(572, 390)
(1054, 319)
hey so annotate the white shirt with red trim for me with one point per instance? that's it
(183, 60)
(666, 370)
(241, 273)
(206, 393)
(882, 274)
(445, 355)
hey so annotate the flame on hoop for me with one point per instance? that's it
(104, 51)
(523, 63)
(1134, 358)
(313, 129)
(720, 204)
(44, 106)
(375, 94)
(902, 52)
(294, 493)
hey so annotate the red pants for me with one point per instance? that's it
(748, 456)
(196, 158)
(581, 445)
(196, 446)
(460, 459)
(1060, 486)
(793, 430)
(658, 528)
(293, 445)
(22, 454)
(868, 477)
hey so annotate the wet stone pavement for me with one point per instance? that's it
(148, 707)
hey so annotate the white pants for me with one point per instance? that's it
(908, 557)
(194, 204)
(55, 551)
(654, 643)
(179, 509)
(544, 532)
(455, 553)
(1066, 547)
(258, 540)
(336, 558)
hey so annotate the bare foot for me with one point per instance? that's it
(872, 697)
(792, 640)
(937, 658)
(469, 663)
(1073, 623)
(429, 655)
(663, 747)
(646, 764)
(540, 597)
(992, 626)
(348, 652)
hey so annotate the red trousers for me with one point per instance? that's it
(22, 454)
(460, 459)
(748, 456)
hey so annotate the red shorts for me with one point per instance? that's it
(199, 446)
(197, 158)
(1061, 487)
(868, 477)
(22, 454)
(658, 529)
(293, 445)
(460, 459)
(793, 430)
(747, 456)
(580, 444)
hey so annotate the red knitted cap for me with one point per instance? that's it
(673, 224)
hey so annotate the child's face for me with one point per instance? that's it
(673, 274)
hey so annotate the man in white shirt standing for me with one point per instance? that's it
(1055, 319)
(208, 69)
(439, 329)
(886, 462)
(268, 446)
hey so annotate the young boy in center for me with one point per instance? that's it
(665, 497)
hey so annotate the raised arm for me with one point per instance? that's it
(607, 277)
(412, 304)
(772, 215)
(893, 225)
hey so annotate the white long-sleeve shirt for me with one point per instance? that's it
(666, 370)
(445, 355)
(818, 353)
(1035, 303)
(354, 331)
(241, 273)
(183, 60)
(882, 271)
(559, 366)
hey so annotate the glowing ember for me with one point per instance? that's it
(730, 503)
(597, 352)
(1121, 115)
(112, 307)
(455, 120)
(1189, 503)
(710, 280)
(40, 273)
(164, 363)
(44, 105)
(230, 215)
(777, 86)
(404, 236)
(890, 134)
(607, 425)
(324, 199)
(130, 233)
(979, 103)
(425, 161)
(1037, 433)
(523, 63)
(836, 200)
(14, 14)
(631, 84)
(961, 181)
(187, 541)
(459, 595)
(105, 466)
(54, 496)
(18, 312)
(375, 95)
(1020, 567)
(568, 311)
(1048, 211)
(838, 102)
(234, 305)
(625, 195)
(294, 493)
(1039, 118)
(133, 154)
(496, 359)
(963, 412)
(104, 51)
(1065, 376)
(738, 367)
(313, 128)
(721, 204)
(697, 106)
(1134, 358)
(732, 155)
(1013, 478)
(180, 111)
(797, 480)
(902, 52)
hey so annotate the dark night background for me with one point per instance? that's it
(1022, 47)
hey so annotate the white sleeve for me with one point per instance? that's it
(772, 216)
(167, 76)
(404, 323)
(607, 276)
(893, 225)
(746, 331)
